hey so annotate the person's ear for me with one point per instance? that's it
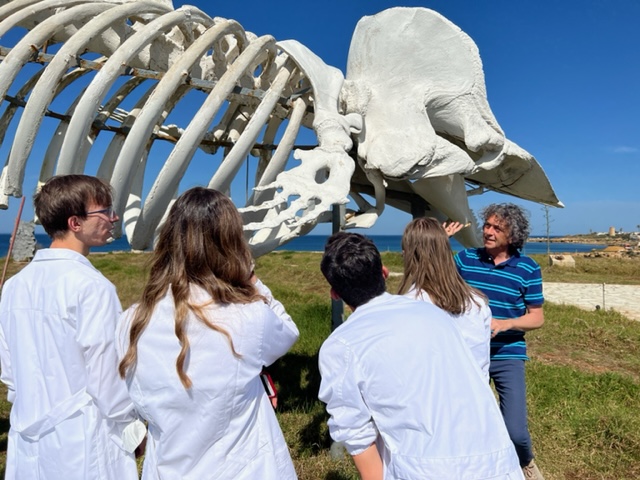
(334, 295)
(385, 272)
(74, 223)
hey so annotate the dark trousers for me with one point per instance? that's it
(508, 379)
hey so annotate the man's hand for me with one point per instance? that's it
(498, 326)
(451, 228)
(533, 319)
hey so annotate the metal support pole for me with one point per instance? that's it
(13, 238)
(337, 306)
(418, 210)
(338, 213)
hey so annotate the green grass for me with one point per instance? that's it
(583, 380)
(623, 270)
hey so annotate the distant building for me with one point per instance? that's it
(612, 231)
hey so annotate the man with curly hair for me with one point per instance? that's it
(513, 284)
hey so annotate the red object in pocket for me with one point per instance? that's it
(268, 384)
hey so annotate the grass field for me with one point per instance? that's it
(583, 379)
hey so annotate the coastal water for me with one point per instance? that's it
(315, 243)
(391, 243)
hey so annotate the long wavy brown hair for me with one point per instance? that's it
(201, 243)
(429, 265)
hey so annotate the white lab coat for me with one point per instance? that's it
(57, 327)
(398, 373)
(224, 427)
(474, 325)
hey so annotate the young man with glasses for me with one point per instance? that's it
(71, 416)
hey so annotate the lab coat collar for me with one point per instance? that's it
(52, 254)
(376, 301)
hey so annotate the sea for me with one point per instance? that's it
(315, 243)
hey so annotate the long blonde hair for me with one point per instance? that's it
(429, 265)
(201, 243)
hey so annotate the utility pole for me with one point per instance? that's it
(547, 219)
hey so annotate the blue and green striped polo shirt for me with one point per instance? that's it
(510, 286)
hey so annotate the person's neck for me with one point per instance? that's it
(70, 242)
(499, 255)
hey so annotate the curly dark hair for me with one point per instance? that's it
(515, 219)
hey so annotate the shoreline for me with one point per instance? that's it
(603, 240)
(571, 239)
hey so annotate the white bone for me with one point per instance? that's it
(175, 166)
(82, 119)
(417, 80)
(155, 105)
(222, 178)
(329, 161)
(10, 68)
(45, 89)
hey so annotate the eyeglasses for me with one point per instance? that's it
(109, 212)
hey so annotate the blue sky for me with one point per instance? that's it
(562, 79)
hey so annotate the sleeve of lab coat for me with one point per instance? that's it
(6, 371)
(341, 389)
(97, 314)
(280, 330)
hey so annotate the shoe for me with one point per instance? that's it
(531, 472)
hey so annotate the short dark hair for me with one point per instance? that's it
(352, 265)
(514, 218)
(64, 196)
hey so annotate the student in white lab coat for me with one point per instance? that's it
(71, 416)
(402, 390)
(192, 350)
(430, 274)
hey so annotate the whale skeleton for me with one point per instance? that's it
(141, 93)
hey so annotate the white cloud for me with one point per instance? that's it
(623, 149)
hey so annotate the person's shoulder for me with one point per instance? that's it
(417, 294)
(419, 307)
(9, 286)
(66, 262)
(258, 309)
(83, 266)
(526, 262)
(88, 281)
(479, 298)
(480, 305)
(336, 342)
(63, 267)
(123, 324)
(469, 253)
(389, 301)
(469, 257)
